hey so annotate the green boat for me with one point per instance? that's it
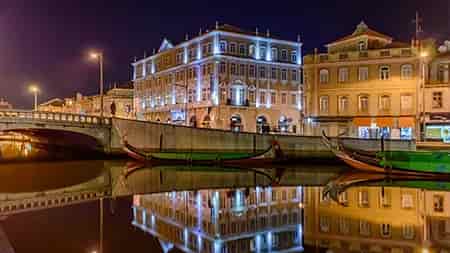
(198, 157)
(396, 162)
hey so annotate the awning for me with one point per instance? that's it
(406, 122)
(385, 122)
(362, 122)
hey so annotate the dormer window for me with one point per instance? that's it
(362, 46)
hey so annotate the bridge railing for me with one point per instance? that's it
(53, 117)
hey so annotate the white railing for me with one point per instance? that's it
(53, 117)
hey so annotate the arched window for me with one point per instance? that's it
(343, 104)
(324, 76)
(406, 72)
(363, 103)
(385, 72)
(324, 104)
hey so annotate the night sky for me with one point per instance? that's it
(48, 41)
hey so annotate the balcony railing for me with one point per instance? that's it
(53, 117)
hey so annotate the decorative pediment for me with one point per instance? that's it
(166, 44)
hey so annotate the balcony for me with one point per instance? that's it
(245, 103)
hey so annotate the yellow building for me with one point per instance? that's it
(364, 85)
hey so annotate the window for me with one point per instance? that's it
(343, 198)
(385, 103)
(262, 52)
(274, 195)
(407, 201)
(283, 98)
(251, 50)
(284, 54)
(294, 56)
(251, 96)
(363, 103)
(363, 198)
(324, 104)
(443, 74)
(437, 100)
(406, 102)
(343, 75)
(408, 231)
(385, 53)
(274, 54)
(223, 68)
(233, 47)
(364, 228)
(284, 75)
(324, 222)
(344, 225)
(343, 104)
(262, 97)
(406, 72)
(242, 69)
(233, 69)
(223, 46)
(273, 97)
(438, 203)
(385, 198)
(262, 72)
(362, 46)
(179, 57)
(274, 73)
(385, 230)
(241, 49)
(251, 71)
(324, 76)
(293, 99)
(294, 74)
(363, 73)
(192, 54)
(385, 73)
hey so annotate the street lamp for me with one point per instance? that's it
(99, 57)
(35, 90)
(423, 56)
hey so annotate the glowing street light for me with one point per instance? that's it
(98, 56)
(35, 90)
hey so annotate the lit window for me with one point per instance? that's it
(363, 198)
(242, 69)
(274, 54)
(385, 198)
(343, 75)
(406, 72)
(437, 100)
(251, 50)
(324, 222)
(385, 103)
(324, 76)
(343, 104)
(363, 73)
(251, 96)
(284, 54)
(262, 72)
(274, 73)
(385, 73)
(223, 68)
(324, 104)
(408, 231)
(294, 56)
(406, 102)
(283, 98)
(233, 69)
(343, 198)
(262, 97)
(293, 99)
(362, 46)
(262, 52)
(443, 74)
(273, 97)
(363, 103)
(364, 228)
(438, 203)
(407, 201)
(294, 74)
(251, 71)
(344, 225)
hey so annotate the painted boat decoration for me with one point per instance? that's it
(272, 153)
(395, 162)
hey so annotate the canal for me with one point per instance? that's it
(121, 206)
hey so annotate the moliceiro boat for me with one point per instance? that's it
(395, 162)
(272, 153)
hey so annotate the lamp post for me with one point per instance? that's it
(35, 90)
(423, 57)
(99, 57)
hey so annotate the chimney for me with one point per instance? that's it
(217, 24)
(186, 37)
(200, 32)
(298, 38)
(256, 32)
(154, 50)
(268, 33)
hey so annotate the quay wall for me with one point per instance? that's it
(159, 136)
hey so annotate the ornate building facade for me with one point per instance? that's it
(225, 78)
(365, 85)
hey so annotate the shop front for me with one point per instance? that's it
(437, 127)
(386, 127)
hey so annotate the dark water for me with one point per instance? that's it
(56, 207)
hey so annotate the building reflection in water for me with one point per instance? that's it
(227, 220)
(287, 219)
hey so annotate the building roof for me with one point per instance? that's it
(53, 102)
(361, 30)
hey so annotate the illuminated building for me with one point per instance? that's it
(4, 105)
(225, 78)
(365, 85)
(227, 220)
(437, 96)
